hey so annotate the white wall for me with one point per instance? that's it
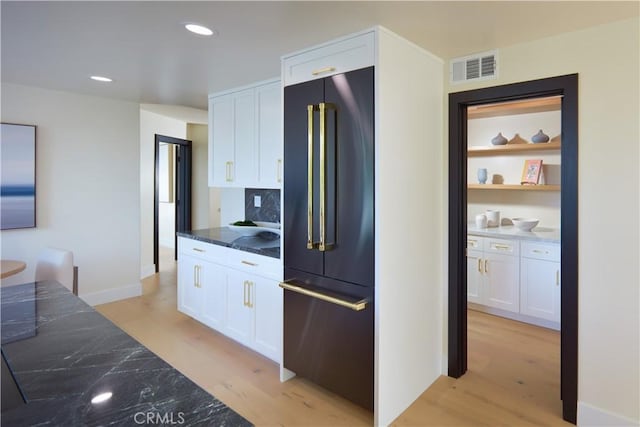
(198, 135)
(607, 59)
(87, 188)
(151, 124)
(232, 206)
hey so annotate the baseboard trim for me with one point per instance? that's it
(589, 415)
(111, 295)
(147, 270)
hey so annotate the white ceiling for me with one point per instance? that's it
(154, 60)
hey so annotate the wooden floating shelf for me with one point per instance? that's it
(517, 187)
(490, 150)
(536, 105)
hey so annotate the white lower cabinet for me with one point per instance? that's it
(540, 281)
(219, 287)
(519, 278)
(492, 272)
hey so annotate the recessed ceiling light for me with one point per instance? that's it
(101, 79)
(199, 29)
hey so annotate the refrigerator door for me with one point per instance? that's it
(350, 177)
(297, 98)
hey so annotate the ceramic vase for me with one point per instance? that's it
(482, 175)
(499, 139)
(540, 137)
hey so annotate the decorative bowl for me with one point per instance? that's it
(525, 224)
(261, 227)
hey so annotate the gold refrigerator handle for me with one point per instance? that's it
(355, 306)
(323, 165)
(310, 109)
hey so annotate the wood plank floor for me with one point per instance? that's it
(513, 376)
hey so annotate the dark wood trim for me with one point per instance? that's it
(156, 192)
(567, 86)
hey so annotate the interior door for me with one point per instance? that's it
(183, 190)
(296, 140)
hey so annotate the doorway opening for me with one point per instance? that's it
(172, 195)
(459, 106)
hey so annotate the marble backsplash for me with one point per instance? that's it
(269, 210)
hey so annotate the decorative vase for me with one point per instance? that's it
(481, 221)
(540, 137)
(482, 175)
(499, 139)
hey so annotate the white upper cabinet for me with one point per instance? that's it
(245, 136)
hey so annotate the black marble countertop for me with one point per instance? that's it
(267, 244)
(63, 353)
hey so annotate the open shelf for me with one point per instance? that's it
(517, 187)
(536, 105)
(490, 150)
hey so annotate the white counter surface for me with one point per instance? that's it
(540, 234)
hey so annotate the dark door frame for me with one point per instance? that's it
(183, 190)
(567, 86)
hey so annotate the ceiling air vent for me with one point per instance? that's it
(480, 66)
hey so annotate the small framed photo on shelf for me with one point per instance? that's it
(531, 172)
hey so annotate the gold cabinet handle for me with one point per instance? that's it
(249, 292)
(355, 306)
(538, 251)
(480, 265)
(486, 266)
(195, 276)
(229, 171)
(310, 109)
(252, 264)
(501, 247)
(279, 171)
(323, 70)
(472, 243)
(199, 250)
(557, 277)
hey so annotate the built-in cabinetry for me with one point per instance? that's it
(492, 272)
(514, 278)
(232, 291)
(245, 136)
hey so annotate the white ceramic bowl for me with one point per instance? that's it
(252, 231)
(525, 224)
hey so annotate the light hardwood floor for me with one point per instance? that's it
(513, 376)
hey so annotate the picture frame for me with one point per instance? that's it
(17, 176)
(531, 172)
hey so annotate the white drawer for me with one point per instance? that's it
(502, 246)
(255, 264)
(206, 251)
(546, 251)
(332, 58)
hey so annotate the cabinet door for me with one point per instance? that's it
(221, 145)
(244, 171)
(267, 303)
(540, 288)
(269, 131)
(474, 276)
(501, 282)
(213, 280)
(240, 306)
(189, 290)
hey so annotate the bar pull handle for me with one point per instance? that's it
(252, 264)
(249, 292)
(199, 250)
(310, 244)
(323, 170)
(486, 266)
(501, 247)
(323, 70)
(557, 277)
(229, 171)
(195, 276)
(538, 251)
(480, 265)
(355, 306)
(279, 171)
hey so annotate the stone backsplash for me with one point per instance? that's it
(269, 211)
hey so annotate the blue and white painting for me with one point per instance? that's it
(17, 176)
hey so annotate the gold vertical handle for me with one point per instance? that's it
(249, 294)
(557, 277)
(195, 276)
(279, 171)
(323, 166)
(480, 265)
(486, 266)
(310, 109)
(228, 174)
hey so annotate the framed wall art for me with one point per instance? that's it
(531, 172)
(17, 176)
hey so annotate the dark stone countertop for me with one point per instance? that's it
(63, 353)
(267, 244)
